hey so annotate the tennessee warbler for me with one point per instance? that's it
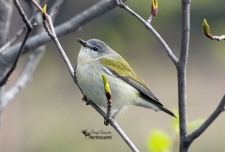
(96, 58)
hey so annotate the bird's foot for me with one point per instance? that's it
(120, 3)
(84, 99)
(107, 120)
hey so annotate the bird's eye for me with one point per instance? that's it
(95, 48)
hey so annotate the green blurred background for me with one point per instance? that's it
(49, 115)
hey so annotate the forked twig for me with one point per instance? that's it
(149, 27)
(29, 29)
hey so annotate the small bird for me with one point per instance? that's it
(96, 58)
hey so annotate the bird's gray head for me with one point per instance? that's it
(95, 48)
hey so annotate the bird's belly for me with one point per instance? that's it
(90, 82)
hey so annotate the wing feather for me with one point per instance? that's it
(122, 70)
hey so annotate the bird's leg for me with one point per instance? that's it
(84, 99)
(119, 2)
(107, 120)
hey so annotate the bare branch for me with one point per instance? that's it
(218, 38)
(56, 7)
(51, 32)
(13, 39)
(6, 8)
(58, 4)
(37, 5)
(18, 34)
(181, 72)
(195, 134)
(13, 66)
(23, 15)
(123, 135)
(29, 29)
(30, 67)
(71, 25)
(24, 78)
(113, 123)
(181, 68)
(149, 27)
(26, 74)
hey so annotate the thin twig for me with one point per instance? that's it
(218, 38)
(195, 134)
(69, 26)
(29, 29)
(6, 9)
(21, 31)
(114, 124)
(31, 65)
(13, 66)
(51, 32)
(13, 39)
(37, 5)
(149, 27)
(56, 7)
(23, 15)
(24, 78)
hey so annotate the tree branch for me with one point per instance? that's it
(113, 123)
(149, 27)
(13, 39)
(67, 27)
(6, 8)
(29, 29)
(48, 24)
(5, 19)
(13, 66)
(218, 38)
(56, 7)
(30, 67)
(181, 72)
(23, 28)
(26, 74)
(195, 134)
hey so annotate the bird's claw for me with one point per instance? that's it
(107, 120)
(84, 99)
(120, 3)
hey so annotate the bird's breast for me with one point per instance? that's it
(90, 81)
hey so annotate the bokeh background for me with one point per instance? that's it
(49, 115)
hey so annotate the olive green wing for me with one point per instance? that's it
(122, 70)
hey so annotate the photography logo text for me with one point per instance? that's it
(97, 135)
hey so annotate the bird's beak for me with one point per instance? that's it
(82, 42)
